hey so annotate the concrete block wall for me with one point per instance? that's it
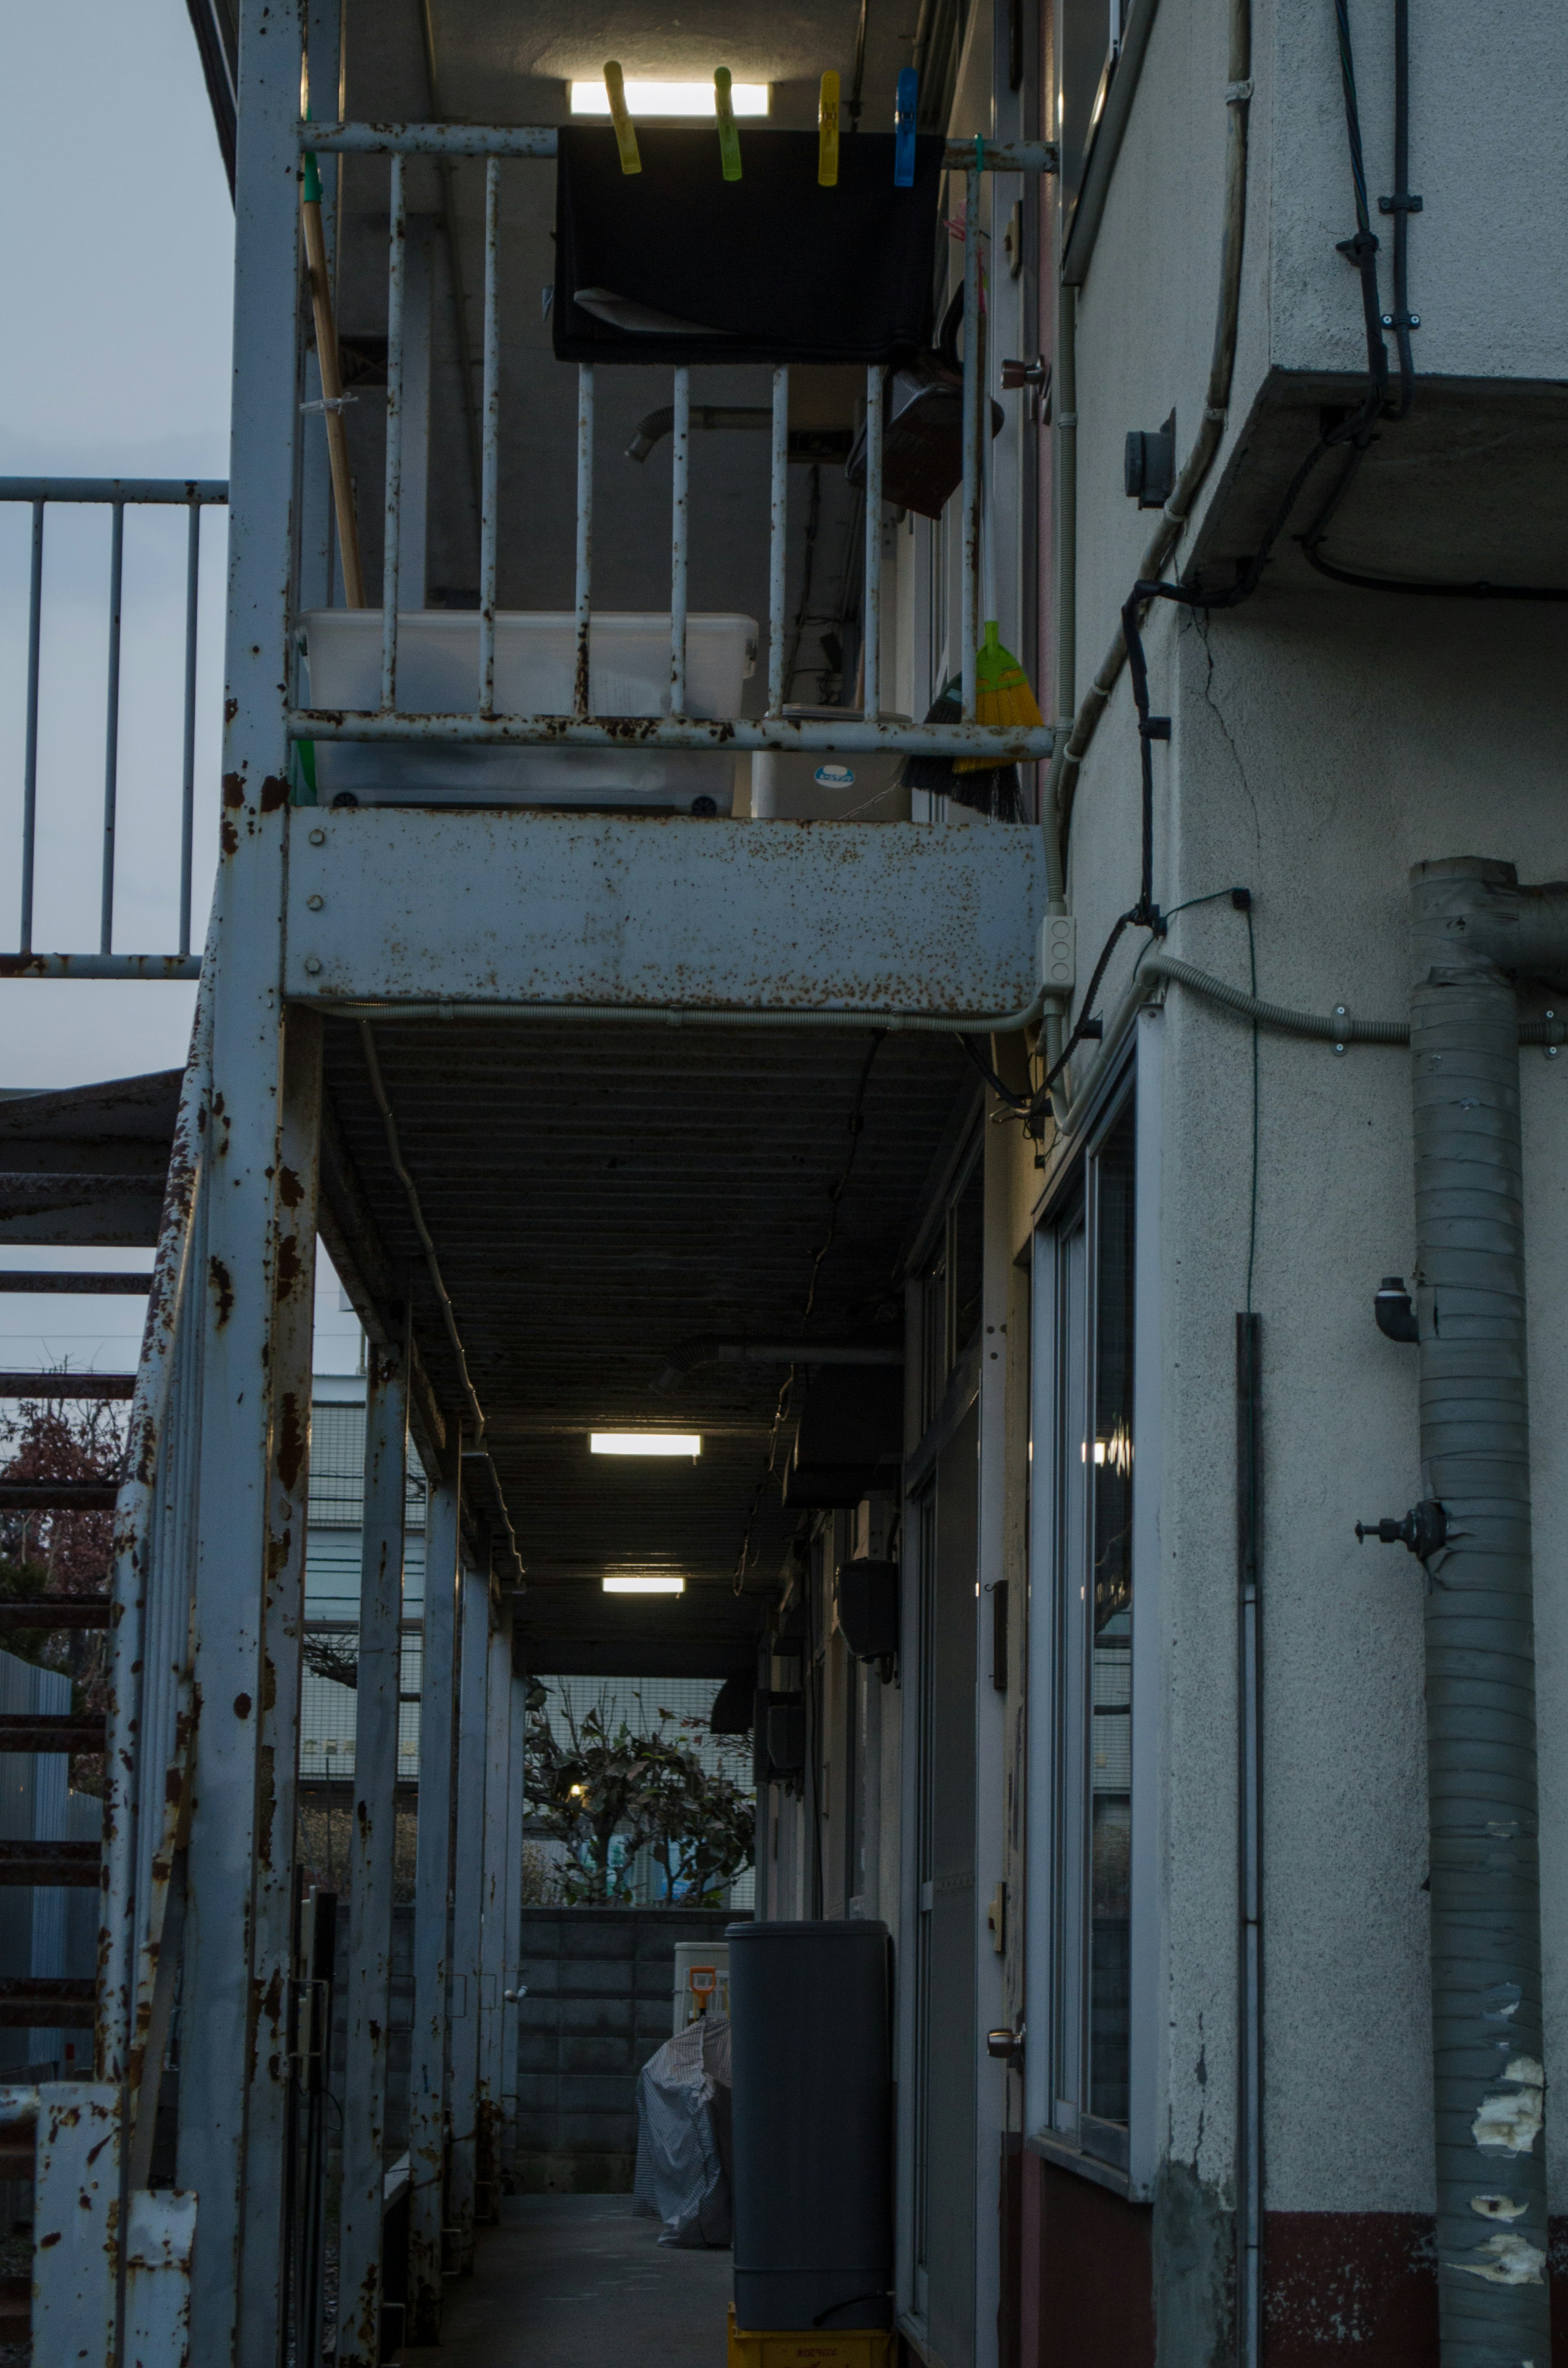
(600, 1990)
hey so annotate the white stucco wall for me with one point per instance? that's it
(1322, 743)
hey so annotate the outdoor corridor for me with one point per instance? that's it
(574, 2281)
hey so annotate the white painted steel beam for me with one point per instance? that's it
(389, 903)
(432, 1989)
(75, 2224)
(241, 2208)
(370, 1860)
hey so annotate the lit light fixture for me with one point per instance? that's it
(576, 1791)
(650, 98)
(643, 1583)
(645, 1442)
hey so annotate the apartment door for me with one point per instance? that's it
(945, 2134)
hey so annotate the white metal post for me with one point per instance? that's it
(391, 516)
(278, 1708)
(584, 585)
(467, 1876)
(493, 1932)
(513, 1945)
(370, 1859)
(220, 2058)
(432, 2002)
(969, 597)
(418, 325)
(490, 439)
(777, 542)
(872, 640)
(680, 456)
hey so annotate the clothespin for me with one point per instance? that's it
(828, 132)
(625, 131)
(729, 138)
(903, 128)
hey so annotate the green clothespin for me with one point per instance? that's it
(729, 138)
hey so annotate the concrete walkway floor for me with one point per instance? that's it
(574, 2281)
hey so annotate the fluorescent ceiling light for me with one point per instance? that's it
(649, 99)
(645, 1442)
(620, 1583)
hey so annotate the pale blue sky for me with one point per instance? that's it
(116, 284)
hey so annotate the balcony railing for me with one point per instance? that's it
(481, 724)
(117, 494)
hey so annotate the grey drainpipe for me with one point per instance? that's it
(1476, 932)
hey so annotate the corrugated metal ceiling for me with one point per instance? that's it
(596, 1196)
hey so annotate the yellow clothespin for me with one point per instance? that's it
(625, 131)
(729, 138)
(828, 132)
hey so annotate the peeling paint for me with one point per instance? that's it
(1508, 2121)
(222, 1290)
(1506, 2261)
(273, 794)
(1498, 2207)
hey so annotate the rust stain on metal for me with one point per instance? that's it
(231, 708)
(273, 794)
(291, 1443)
(234, 790)
(242, 1706)
(222, 1290)
(290, 1266)
(291, 1190)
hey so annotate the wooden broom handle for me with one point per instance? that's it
(332, 397)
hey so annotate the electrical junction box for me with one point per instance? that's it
(1059, 952)
(865, 1597)
(702, 1981)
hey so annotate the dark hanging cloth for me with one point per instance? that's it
(677, 265)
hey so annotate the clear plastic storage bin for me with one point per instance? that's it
(536, 658)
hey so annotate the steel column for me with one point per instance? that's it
(370, 1847)
(468, 1874)
(680, 456)
(393, 506)
(969, 584)
(292, 1297)
(870, 644)
(489, 471)
(513, 1943)
(187, 768)
(779, 543)
(111, 729)
(492, 1930)
(29, 759)
(219, 2054)
(432, 1992)
(584, 585)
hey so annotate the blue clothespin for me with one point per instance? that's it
(903, 128)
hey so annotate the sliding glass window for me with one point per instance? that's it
(1082, 1588)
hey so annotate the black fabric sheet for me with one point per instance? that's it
(782, 269)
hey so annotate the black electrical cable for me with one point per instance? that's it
(1005, 1093)
(852, 109)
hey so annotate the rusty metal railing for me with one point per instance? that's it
(118, 493)
(864, 732)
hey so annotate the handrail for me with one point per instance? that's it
(543, 140)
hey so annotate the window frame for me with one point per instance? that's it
(1059, 1657)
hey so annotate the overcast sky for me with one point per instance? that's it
(118, 287)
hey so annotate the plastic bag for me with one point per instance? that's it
(683, 2136)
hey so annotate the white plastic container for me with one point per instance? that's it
(536, 656)
(790, 787)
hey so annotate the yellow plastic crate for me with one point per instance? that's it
(852, 2346)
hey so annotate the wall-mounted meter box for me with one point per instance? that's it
(702, 1980)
